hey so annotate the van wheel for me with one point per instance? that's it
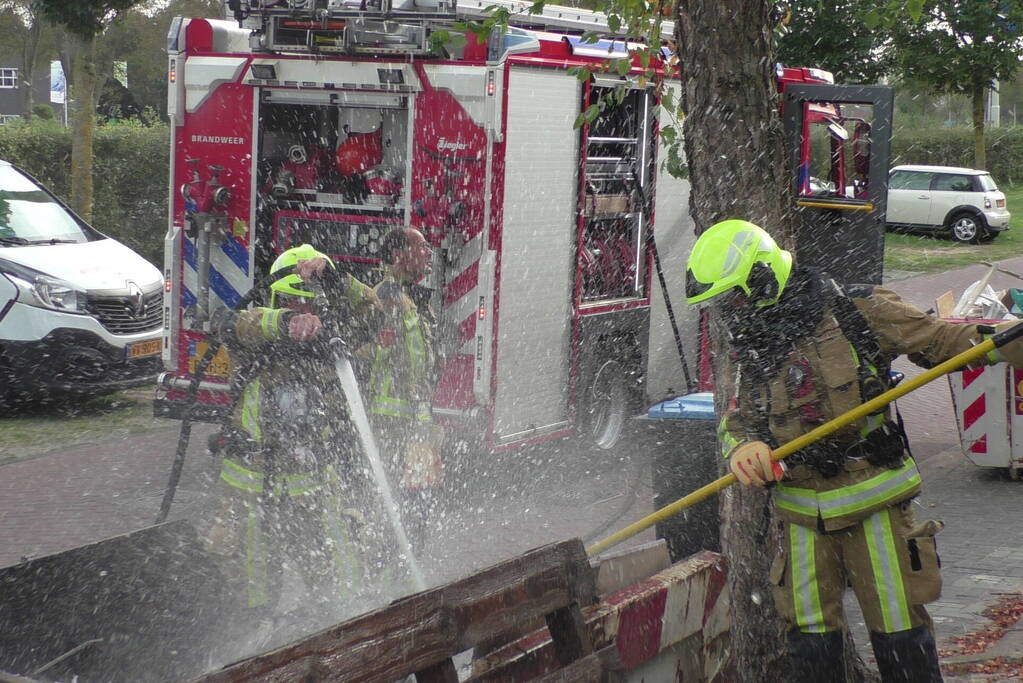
(965, 227)
(606, 405)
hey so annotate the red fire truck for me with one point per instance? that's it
(332, 122)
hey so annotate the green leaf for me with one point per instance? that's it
(588, 115)
(583, 73)
(915, 9)
(667, 98)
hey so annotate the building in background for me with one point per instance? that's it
(13, 83)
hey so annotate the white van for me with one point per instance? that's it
(80, 313)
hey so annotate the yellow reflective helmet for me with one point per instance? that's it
(292, 284)
(737, 254)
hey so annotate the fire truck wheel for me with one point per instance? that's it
(606, 405)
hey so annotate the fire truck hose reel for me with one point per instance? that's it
(872, 406)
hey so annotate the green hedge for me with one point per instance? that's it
(954, 147)
(131, 161)
(129, 175)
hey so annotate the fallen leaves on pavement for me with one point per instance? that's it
(1003, 615)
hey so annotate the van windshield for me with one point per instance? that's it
(28, 215)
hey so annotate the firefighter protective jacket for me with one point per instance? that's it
(819, 381)
(289, 391)
(403, 359)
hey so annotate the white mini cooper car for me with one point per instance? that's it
(963, 202)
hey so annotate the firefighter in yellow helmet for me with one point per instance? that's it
(403, 376)
(292, 495)
(803, 350)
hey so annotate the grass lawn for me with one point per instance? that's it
(919, 254)
(37, 430)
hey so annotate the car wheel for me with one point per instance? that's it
(965, 227)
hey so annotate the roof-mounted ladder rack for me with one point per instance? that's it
(552, 16)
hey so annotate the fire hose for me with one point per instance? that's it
(193, 391)
(976, 353)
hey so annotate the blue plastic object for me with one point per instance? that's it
(699, 406)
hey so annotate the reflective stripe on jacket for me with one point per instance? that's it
(250, 481)
(860, 490)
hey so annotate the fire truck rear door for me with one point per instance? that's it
(536, 260)
(839, 139)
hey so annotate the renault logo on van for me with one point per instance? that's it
(135, 298)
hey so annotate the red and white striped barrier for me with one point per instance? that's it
(989, 414)
(671, 626)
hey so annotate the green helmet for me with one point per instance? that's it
(292, 285)
(737, 253)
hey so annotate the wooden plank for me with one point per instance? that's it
(569, 634)
(427, 628)
(444, 672)
(624, 568)
(646, 620)
(604, 666)
(944, 305)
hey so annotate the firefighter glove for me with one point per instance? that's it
(423, 467)
(751, 464)
(304, 326)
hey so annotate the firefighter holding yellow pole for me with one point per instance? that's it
(810, 361)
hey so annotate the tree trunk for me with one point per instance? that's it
(29, 55)
(84, 113)
(979, 152)
(734, 146)
(733, 133)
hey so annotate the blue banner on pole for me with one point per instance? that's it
(58, 85)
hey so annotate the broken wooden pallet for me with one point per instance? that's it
(421, 634)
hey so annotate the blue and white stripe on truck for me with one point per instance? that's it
(229, 273)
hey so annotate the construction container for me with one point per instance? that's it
(682, 434)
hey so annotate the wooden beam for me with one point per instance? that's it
(444, 672)
(425, 629)
(569, 634)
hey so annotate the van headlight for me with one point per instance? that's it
(43, 291)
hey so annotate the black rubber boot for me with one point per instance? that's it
(816, 657)
(907, 656)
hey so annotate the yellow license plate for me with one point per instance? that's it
(220, 366)
(144, 348)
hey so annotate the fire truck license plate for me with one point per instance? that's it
(220, 365)
(144, 348)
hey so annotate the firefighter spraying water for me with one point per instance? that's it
(340, 129)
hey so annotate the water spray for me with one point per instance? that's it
(350, 386)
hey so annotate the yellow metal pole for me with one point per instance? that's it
(874, 404)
